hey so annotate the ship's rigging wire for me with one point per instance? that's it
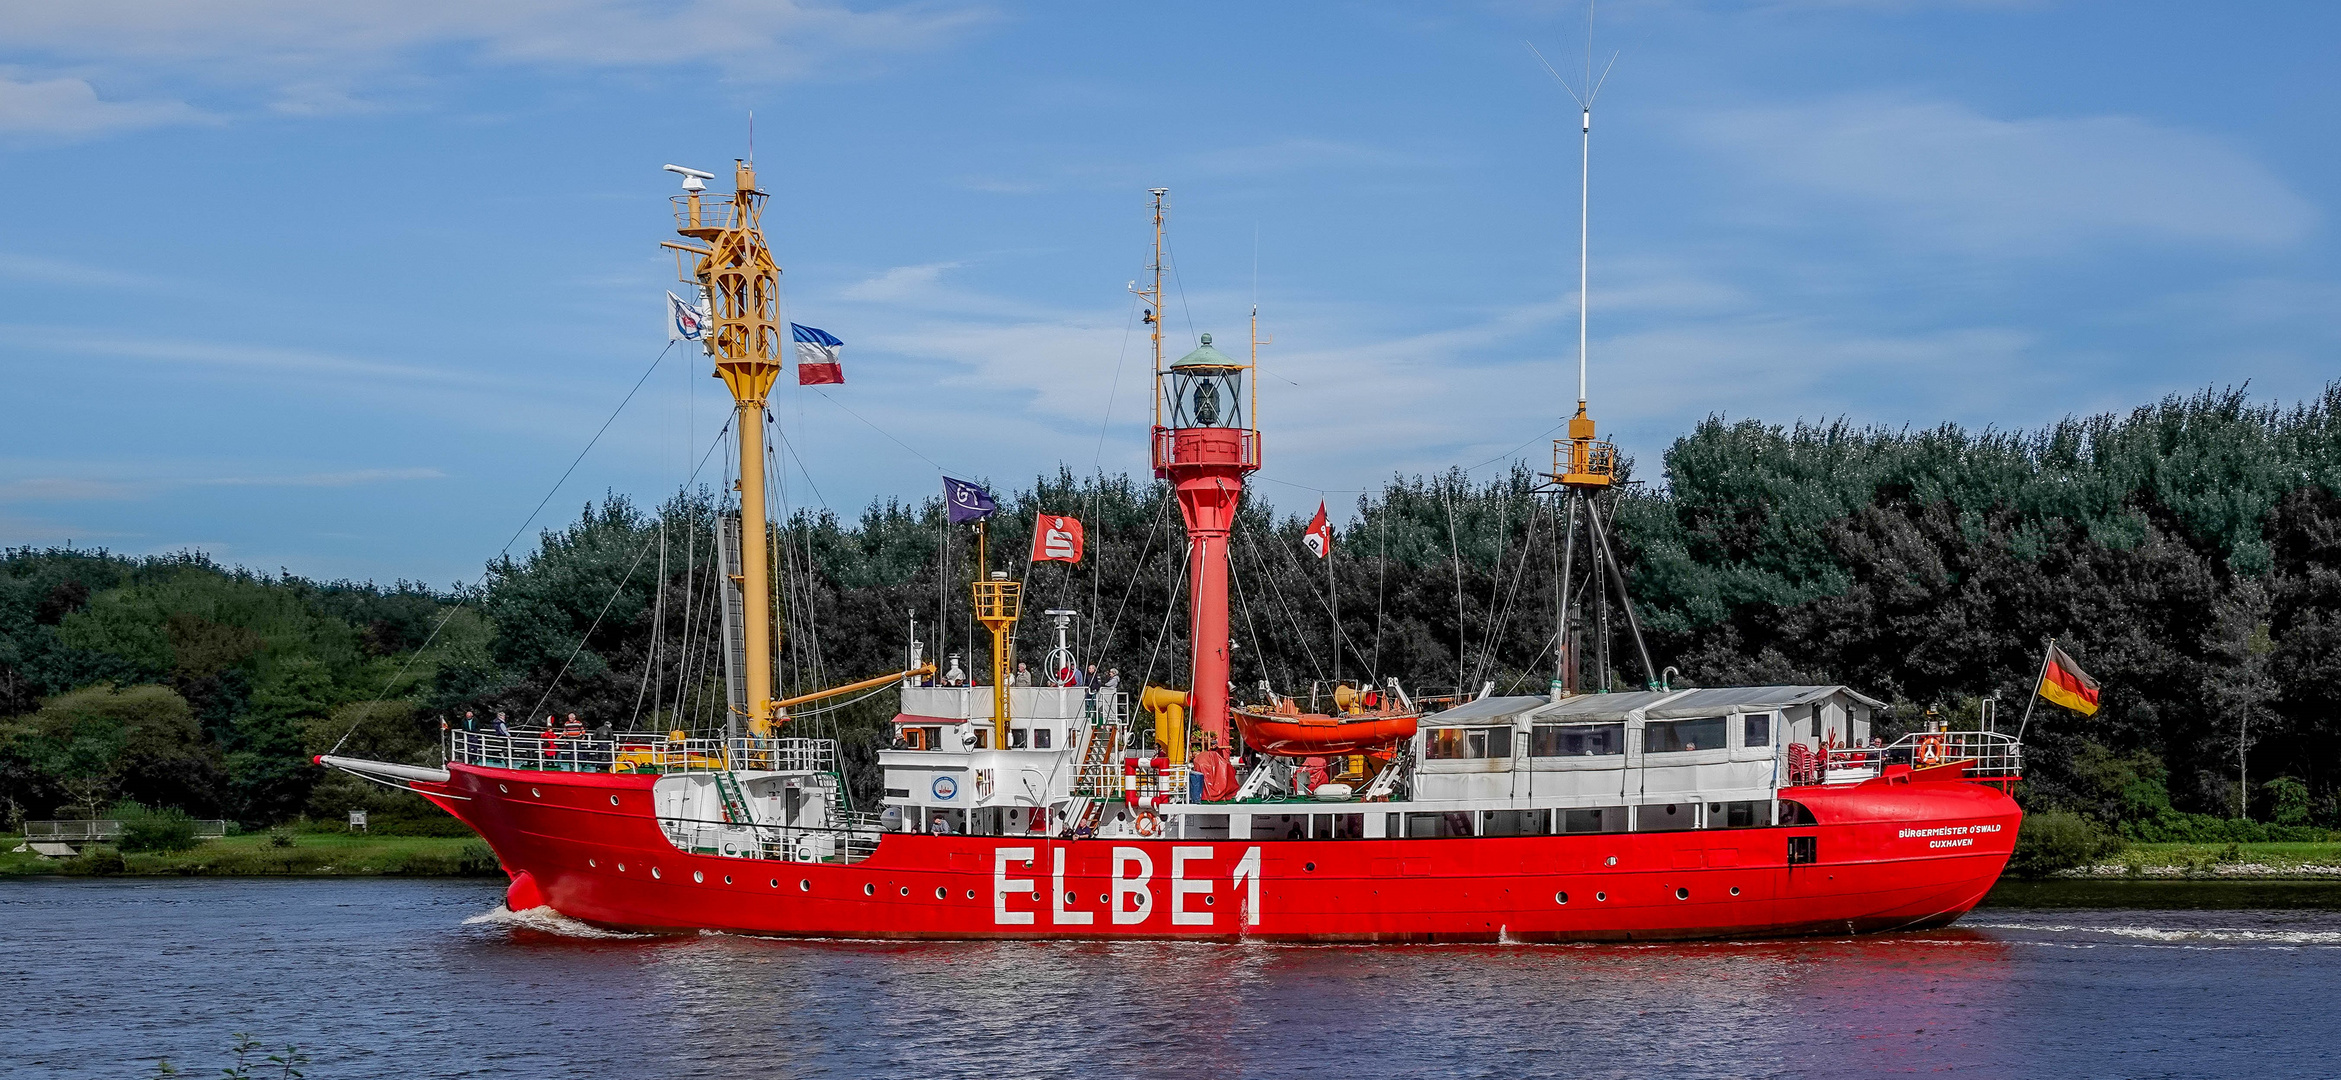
(1381, 579)
(459, 605)
(658, 624)
(1244, 601)
(597, 622)
(1299, 636)
(1292, 559)
(1164, 632)
(1161, 510)
(1455, 551)
(1493, 643)
(882, 431)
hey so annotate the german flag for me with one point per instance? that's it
(2063, 682)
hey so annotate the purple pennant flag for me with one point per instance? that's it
(965, 501)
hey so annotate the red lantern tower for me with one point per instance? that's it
(1205, 445)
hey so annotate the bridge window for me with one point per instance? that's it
(1673, 736)
(1576, 740)
(1519, 822)
(1040, 738)
(1738, 815)
(1756, 729)
(1598, 819)
(1338, 827)
(1464, 743)
(1437, 826)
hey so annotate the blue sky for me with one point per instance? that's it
(342, 289)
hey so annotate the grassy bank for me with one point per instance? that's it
(318, 854)
(2263, 860)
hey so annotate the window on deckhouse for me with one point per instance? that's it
(1576, 740)
(1672, 736)
(1443, 744)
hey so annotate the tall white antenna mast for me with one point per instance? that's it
(1584, 184)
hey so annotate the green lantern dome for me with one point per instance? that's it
(1205, 356)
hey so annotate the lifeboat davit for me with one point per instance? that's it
(1285, 731)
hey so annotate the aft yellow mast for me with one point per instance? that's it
(742, 284)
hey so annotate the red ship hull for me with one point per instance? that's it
(1889, 855)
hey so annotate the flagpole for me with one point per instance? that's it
(2036, 681)
(1332, 603)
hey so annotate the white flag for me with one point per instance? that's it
(686, 321)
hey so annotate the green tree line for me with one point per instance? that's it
(2187, 552)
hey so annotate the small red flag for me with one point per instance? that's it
(1056, 538)
(1319, 538)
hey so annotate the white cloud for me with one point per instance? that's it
(330, 479)
(159, 476)
(68, 107)
(306, 58)
(1959, 179)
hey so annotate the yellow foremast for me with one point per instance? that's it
(742, 286)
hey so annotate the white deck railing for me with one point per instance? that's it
(640, 753)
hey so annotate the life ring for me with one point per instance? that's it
(1930, 751)
(1148, 824)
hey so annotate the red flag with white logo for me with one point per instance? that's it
(1056, 538)
(1319, 538)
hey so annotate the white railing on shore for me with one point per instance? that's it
(86, 831)
(640, 753)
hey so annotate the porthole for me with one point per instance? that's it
(727, 879)
(803, 885)
(1600, 898)
(1070, 900)
(869, 889)
(906, 890)
(1104, 899)
(502, 790)
(621, 868)
(1309, 868)
(698, 878)
(1611, 861)
(613, 800)
(535, 794)
(654, 871)
(942, 893)
(1036, 898)
(1735, 890)
(1560, 898)
(1682, 894)
(1028, 864)
(971, 894)
(1210, 900)
(592, 863)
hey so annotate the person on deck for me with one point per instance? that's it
(1023, 676)
(940, 827)
(552, 743)
(573, 741)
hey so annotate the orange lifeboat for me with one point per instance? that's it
(1285, 731)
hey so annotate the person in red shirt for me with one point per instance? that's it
(552, 743)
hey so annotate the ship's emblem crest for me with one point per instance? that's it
(946, 788)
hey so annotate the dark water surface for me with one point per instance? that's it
(429, 979)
